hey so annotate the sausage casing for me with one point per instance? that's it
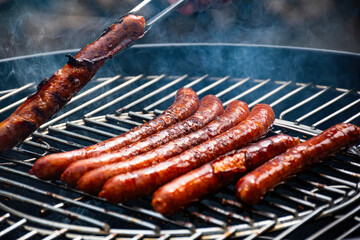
(185, 105)
(253, 186)
(235, 112)
(54, 92)
(144, 181)
(211, 177)
(210, 108)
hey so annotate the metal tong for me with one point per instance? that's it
(161, 14)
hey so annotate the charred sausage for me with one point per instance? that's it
(144, 181)
(212, 176)
(210, 108)
(51, 166)
(93, 181)
(252, 187)
(54, 92)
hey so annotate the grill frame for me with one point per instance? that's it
(164, 51)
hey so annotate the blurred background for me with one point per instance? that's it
(36, 26)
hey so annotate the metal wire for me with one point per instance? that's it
(287, 208)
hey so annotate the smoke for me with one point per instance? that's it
(40, 26)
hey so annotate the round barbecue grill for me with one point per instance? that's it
(309, 90)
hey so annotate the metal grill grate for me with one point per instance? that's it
(32, 208)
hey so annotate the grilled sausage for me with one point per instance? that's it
(252, 187)
(54, 92)
(93, 181)
(212, 176)
(144, 181)
(51, 166)
(210, 108)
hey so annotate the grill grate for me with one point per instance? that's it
(32, 208)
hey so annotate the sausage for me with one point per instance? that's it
(144, 181)
(93, 181)
(251, 188)
(210, 108)
(54, 92)
(51, 166)
(212, 176)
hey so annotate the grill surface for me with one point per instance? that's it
(110, 105)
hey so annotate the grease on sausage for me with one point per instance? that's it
(210, 108)
(251, 188)
(212, 176)
(52, 166)
(235, 112)
(144, 181)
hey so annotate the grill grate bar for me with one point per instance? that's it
(328, 103)
(96, 87)
(93, 100)
(239, 83)
(352, 118)
(214, 84)
(283, 113)
(127, 121)
(336, 113)
(16, 161)
(327, 228)
(284, 84)
(90, 129)
(156, 215)
(158, 90)
(300, 88)
(49, 223)
(306, 219)
(10, 106)
(107, 125)
(74, 135)
(294, 200)
(44, 146)
(56, 234)
(351, 230)
(53, 209)
(321, 186)
(338, 180)
(261, 231)
(172, 94)
(229, 214)
(12, 93)
(56, 139)
(208, 219)
(262, 82)
(26, 152)
(4, 217)
(315, 195)
(28, 235)
(228, 234)
(124, 96)
(80, 204)
(283, 207)
(13, 227)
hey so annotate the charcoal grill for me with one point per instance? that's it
(310, 90)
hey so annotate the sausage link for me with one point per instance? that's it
(212, 176)
(144, 181)
(51, 166)
(93, 181)
(252, 187)
(210, 108)
(54, 92)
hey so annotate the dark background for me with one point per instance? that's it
(29, 27)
